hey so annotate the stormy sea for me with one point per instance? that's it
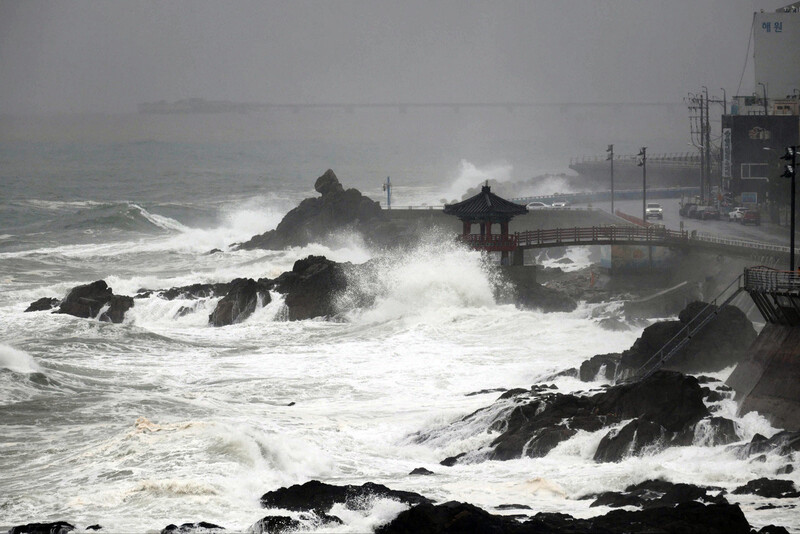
(164, 419)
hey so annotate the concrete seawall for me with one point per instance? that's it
(768, 380)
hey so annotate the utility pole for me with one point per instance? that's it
(707, 144)
(610, 158)
(388, 188)
(643, 165)
(790, 171)
(702, 152)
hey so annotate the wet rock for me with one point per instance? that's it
(601, 366)
(485, 391)
(656, 493)
(43, 304)
(315, 218)
(665, 407)
(316, 496)
(535, 296)
(715, 431)
(452, 460)
(311, 287)
(773, 529)
(770, 488)
(513, 507)
(57, 527)
(94, 527)
(275, 524)
(88, 300)
(783, 443)
(201, 527)
(613, 324)
(721, 343)
(239, 303)
(456, 517)
(196, 291)
(421, 471)
(631, 440)
(785, 470)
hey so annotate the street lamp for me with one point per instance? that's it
(610, 158)
(643, 164)
(790, 171)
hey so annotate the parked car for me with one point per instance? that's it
(684, 211)
(537, 205)
(653, 211)
(735, 215)
(695, 212)
(710, 212)
(751, 217)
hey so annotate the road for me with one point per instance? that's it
(765, 233)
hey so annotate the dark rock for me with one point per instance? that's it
(43, 304)
(512, 393)
(213, 251)
(667, 405)
(603, 366)
(457, 518)
(484, 391)
(191, 528)
(772, 529)
(631, 440)
(717, 431)
(311, 287)
(770, 488)
(535, 296)
(239, 303)
(315, 218)
(713, 396)
(183, 311)
(421, 471)
(721, 343)
(513, 507)
(118, 305)
(196, 291)
(88, 300)
(291, 403)
(784, 443)
(785, 470)
(94, 527)
(613, 324)
(275, 524)
(320, 497)
(452, 460)
(57, 527)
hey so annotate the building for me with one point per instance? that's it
(761, 125)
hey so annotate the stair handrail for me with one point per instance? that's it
(685, 336)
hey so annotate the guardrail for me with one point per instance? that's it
(600, 234)
(732, 242)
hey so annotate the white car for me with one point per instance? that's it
(653, 211)
(560, 205)
(736, 214)
(537, 205)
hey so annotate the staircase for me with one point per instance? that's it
(686, 334)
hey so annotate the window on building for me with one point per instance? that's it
(754, 171)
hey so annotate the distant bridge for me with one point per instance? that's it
(654, 235)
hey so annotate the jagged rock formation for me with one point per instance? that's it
(240, 302)
(661, 411)
(315, 218)
(43, 304)
(316, 496)
(87, 301)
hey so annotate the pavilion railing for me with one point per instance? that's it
(605, 234)
(491, 242)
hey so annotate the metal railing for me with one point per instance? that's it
(763, 279)
(491, 242)
(685, 334)
(600, 234)
(732, 242)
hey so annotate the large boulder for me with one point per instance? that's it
(240, 302)
(311, 287)
(87, 301)
(721, 343)
(43, 304)
(316, 218)
(57, 527)
(318, 497)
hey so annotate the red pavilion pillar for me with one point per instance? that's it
(466, 227)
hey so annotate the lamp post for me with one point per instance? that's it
(790, 171)
(388, 188)
(643, 165)
(610, 158)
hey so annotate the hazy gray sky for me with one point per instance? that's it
(108, 56)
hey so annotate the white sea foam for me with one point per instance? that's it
(470, 176)
(17, 360)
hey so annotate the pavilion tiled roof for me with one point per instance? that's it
(485, 205)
